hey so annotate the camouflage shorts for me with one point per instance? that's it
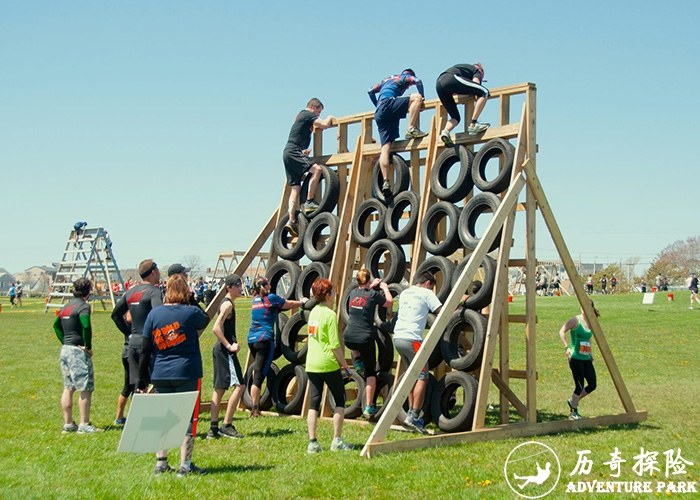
(76, 368)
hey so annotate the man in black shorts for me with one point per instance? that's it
(462, 79)
(297, 162)
(227, 369)
(129, 315)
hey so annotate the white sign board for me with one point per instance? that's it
(648, 298)
(157, 422)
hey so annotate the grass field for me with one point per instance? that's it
(656, 348)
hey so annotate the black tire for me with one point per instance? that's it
(385, 352)
(361, 228)
(400, 183)
(283, 276)
(285, 245)
(436, 214)
(397, 264)
(384, 318)
(329, 186)
(344, 304)
(403, 410)
(279, 327)
(467, 358)
(394, 217)
(289, 375)
(311, 273)
(436, 356)
(265, 392)
(353, 407)
(486, 275)
(438, 175)
(385, 381)
(447, 420)
(443, 269)
(493, 149)
(471, 212)
(318, 246)
(290, 335)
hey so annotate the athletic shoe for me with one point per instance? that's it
(213, 433)
(690, 307)
(254, 413)
(478, 128)
(415, 423)
(360, 368)
(310, 206)
(415, 133)
(575, 416)
(69, 428)
(369, 412)
(162, 469)
(386, 189)
(314, 447)
(192, 469)
(339, 445)
(445, 137)
(292, 228)
(88, 429)
(120, 421)
(229, 431)
(571, 407)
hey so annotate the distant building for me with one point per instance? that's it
(37, 280)
(5, 280)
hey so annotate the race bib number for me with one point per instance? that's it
(584, 348)
(313, 329)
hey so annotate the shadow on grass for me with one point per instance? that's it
(271, 433)
(239, 468)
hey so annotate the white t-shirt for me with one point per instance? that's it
(414, 306)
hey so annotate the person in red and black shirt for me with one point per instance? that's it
(462, 79)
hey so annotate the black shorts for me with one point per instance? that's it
(368, 356)
(296, 163)
(227, 369)
(334, 381)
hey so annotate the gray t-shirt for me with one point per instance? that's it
(414, 305)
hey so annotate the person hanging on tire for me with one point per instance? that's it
(414, 305)
(580, 357)
(325, 364)
(462, 79)
(391, 107)
(227, 368)
(297, 162)
(261, 336)
(360, 333)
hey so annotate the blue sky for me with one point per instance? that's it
(164, 122)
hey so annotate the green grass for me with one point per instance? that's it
(656, 348)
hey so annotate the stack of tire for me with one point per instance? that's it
(462, 343)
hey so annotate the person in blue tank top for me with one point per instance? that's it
(580, 357)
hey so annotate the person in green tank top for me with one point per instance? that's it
(580, 357)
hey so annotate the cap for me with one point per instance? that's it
(177, 269)
(233, 280)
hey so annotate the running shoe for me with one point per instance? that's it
(477, 128)
(292, 228)
(369, 412)
(310, 206)
(213, 433)
(88, 429)
(415, 423)
(339, 445)
(192, 469)
(314, 447)
(120, 421)
(162, 469)
(575, 416)
(386, 189)
(415, 133)
(69, 428)
(445, 137)
(254, 413)
(229, 431)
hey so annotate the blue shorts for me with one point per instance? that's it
(387, 116)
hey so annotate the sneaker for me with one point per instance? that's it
(478, 128)
(571, 407)
(69, 428)
(690, 307)
(213, 433)
(339, 445)
(386, 189)
(360, 368)
(369, 412)
(415, 133)
(88, 429)
(120, 421)
(192, 469)
(254, 413)
(310, 206)
(162, 469)
(292, 228)
(415, 423)
(230, 431)
(575, 416)
(314, 447)
(445, 137)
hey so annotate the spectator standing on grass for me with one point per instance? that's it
(658, 282)
(325, 364)
(613, 283)
(74, 330)
(19, 291)
(171, 337)
(227, 367)
(604, 284)
(693, 287)
(580, 357)
(643, 285)
(129, 314)
(11, 293)
(589, 284)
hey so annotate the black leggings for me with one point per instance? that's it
(583, 369)
(368, 356)
(128, 388)
(449, 84)
(263, 352)
(334, 381)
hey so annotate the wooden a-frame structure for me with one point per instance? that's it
(354, 169)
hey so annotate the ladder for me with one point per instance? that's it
(87, 254)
